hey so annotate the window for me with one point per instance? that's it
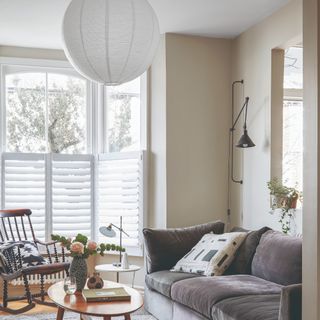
(49, 161)
(45, 112)
(293, 118)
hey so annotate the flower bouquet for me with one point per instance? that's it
(80, 249)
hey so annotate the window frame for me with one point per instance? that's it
(96, 128)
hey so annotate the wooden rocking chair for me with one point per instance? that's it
(15, 231)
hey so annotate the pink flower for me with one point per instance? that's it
(77, 247)
(92, 245)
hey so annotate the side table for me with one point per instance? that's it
(111, 268)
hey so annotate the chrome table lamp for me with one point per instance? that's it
(110, 233)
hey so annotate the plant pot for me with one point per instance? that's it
(79, 270)
(294, 203)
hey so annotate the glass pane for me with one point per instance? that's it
(292, 143)
(67, 114)
(25, 112)
(123, 117)
(293, 68)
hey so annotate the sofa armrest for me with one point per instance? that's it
(291, 303)
(164, 248)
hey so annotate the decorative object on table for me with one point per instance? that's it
(21, 259)
(124, 261)
(80, 249)
(110, 42)
(105, 295)
(95, 282)
(109, 232)
(284, 198)
(70, 285)
(212, 255)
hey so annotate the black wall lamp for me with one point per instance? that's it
(244, 141)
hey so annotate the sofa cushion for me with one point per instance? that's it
(278, 258)
(202, 293)
(165, 247)
(259, 307)
(162, 281)
(244, 256)
(212, 255)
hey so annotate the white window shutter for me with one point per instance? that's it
(25, 187)
(72, 183)
(120, 185)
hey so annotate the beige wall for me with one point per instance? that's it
(198, 113)
(252, 62)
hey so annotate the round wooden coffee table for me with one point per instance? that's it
(106, 310)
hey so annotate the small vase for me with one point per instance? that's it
(79, 270)
(95, 282)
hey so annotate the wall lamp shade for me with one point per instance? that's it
(245, 141)
(110, 41)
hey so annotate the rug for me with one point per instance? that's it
(139, 315)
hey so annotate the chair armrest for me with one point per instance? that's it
(164, 248)
(291, 302)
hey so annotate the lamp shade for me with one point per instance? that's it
(245, 141)
(107, 231)
(110, 41)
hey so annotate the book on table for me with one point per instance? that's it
(106, 295)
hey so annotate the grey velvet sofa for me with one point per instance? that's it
(263, 282)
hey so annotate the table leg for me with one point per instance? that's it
(127, 317)
(60, 313)
(133, 277)
(117, 277)
(106, 318)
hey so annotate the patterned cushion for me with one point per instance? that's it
(30, 255)
(212, 255)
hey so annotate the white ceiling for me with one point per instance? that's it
(37, 23)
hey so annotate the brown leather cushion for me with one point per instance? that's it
(201, 294)
(166, 247)
(278, 258)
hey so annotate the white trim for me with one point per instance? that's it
(35, 62)
(48, 197)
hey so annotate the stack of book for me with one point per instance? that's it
(106, 295)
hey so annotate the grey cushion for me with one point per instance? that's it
(164, 248)
(162, 281)
(259, 307)
(201, 294)
(278, 258)
(244, 256)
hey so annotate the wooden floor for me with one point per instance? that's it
(37, 309)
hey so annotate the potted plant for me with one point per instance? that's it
(80, 249)
(284, 198)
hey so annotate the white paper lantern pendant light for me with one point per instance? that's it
(110, 41)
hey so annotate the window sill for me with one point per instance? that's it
(131, 251)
